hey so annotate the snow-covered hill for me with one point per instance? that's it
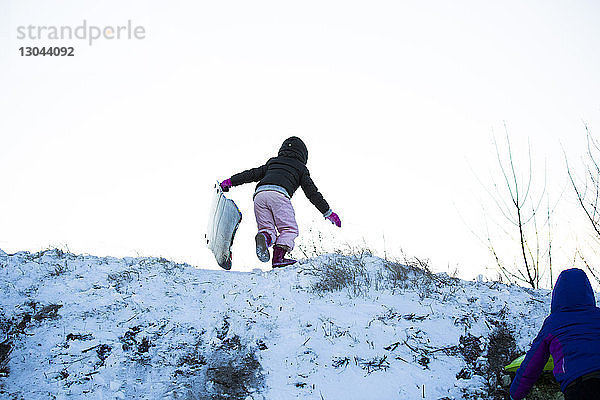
(332, 327)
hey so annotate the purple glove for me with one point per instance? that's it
(226, 184)
(333, 217)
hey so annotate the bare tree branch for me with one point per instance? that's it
(517, 214)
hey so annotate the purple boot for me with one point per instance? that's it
(278, 257)
(263, 241)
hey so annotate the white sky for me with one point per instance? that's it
(114, 151)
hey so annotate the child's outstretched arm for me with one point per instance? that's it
(532, 366)
(317, 199)
(247, 176)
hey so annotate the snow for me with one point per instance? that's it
(137, 328)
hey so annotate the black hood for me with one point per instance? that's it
(572, 291)
(294, 147)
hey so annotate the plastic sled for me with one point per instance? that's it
(514, 366)
(223, 221)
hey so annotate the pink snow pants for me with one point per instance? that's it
(275, 214)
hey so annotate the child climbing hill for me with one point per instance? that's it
(571, 333)
(278, 179)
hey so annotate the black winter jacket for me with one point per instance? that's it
(287, 170)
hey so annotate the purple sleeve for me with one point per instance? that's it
(532, 366)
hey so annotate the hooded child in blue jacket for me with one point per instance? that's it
(571, 333)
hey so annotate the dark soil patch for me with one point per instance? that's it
(234, 378)
(138, 345)
(233, 371)
(79, 336)
(47, 312)
(502, 349)
(470, 348)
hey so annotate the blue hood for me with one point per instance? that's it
(572, 291)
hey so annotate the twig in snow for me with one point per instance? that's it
(392, 346)
(262, 312)
(539, 301)
(91, 348)
(412, 348)
(76, 361)
(449, 348)
(124, 322)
